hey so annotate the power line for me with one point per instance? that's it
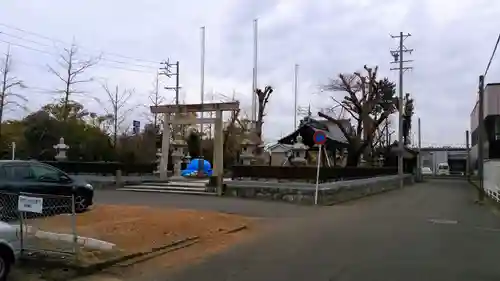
(27, 47)
(101, 58)
(67, 44)
(492, 56)
(55, 55)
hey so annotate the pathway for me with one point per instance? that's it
(430, 231)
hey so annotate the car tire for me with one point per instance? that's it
(81, 203)
(5, 263)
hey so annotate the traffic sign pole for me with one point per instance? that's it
(319, 139)
(317, 176)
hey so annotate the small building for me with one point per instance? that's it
(335, 140)
(409, 157)
(491, 123)
(278, 153)
(456, 157)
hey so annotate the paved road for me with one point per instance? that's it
(252, 208)
(384, 237)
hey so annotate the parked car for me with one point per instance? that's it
(443, 169)
(10, 248)
(38, 178)
(426, 171)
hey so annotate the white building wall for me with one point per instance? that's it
(492, 179)
(491, 107)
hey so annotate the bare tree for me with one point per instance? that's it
(118, 112)
(382, 135)
(369, 102)
(8, 83)
(262, 99)
(71, 75)
(156, 99)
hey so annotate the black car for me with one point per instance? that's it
(47, 181)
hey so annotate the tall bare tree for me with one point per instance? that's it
(262, 99)
(8, 84)
(71, 74)
(369, 102)
(118, 111)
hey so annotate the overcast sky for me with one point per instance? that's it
(453, 40)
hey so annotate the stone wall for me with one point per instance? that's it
(303, 193)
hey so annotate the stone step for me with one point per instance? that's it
(177, 183)
(176, 189)
(172, 191)
(170, 187)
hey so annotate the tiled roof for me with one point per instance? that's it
(331, 129)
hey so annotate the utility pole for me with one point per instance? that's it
(399, 58)
(167, 71)
(467, 146)
(387, 139)
(202, 100)
(481, 135)
(419, 156)
(202, 76)
(295, 89)
(254, 78)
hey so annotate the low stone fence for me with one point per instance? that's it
(303, 193)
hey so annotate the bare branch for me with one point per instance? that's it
(7, 84)
(117, 101)
(72, 70)
(347, 107)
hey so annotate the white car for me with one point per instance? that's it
(443, 169)
(10, 248)
(426, 171)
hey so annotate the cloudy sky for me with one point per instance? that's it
(453, 40)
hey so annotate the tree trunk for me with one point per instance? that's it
(353, 157)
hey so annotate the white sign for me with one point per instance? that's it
(30, 204)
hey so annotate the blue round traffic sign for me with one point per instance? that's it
(319, 137)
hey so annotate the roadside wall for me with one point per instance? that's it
(303, 193)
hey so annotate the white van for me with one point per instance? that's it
(443, 169)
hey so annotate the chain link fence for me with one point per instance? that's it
(45, 223)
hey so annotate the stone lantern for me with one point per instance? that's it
(247, 148)
(187, 158)
(298, 151)
(178, 147)
(158, 161)
(381, 160)
(61, 149)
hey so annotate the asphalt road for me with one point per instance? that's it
(430, 231)
(251, 208)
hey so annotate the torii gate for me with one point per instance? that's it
(174, 109)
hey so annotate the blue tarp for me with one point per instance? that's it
(192, 168)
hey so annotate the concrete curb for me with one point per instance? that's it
(87, 242)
